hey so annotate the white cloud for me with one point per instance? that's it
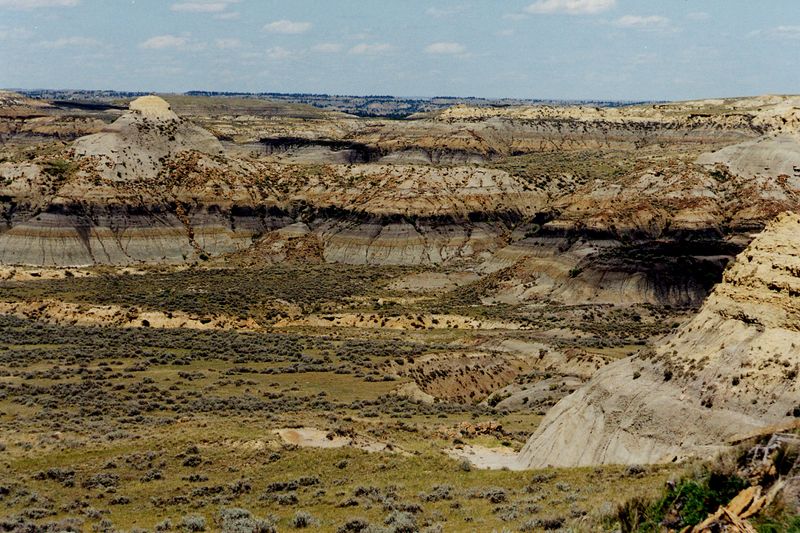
(288, 27)
(164, 41)
(199, 7)
(644, 59)
(698, 16)
(33, 4)
(786, 32)
(363, 36)
(441, 12)
(217, 8)
(371, 49)
(14, 34)
(178, 42)
(642, 23)
(226, 44)
(327, 48)
(68, 42)
(228, 15)
(570, 7)
(445, 48)
(278, 53)
(508, 32)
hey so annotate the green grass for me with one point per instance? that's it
(79, 398)
(229, 455)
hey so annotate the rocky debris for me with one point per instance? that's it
(772, 468)
(728, 371)
(469, 430)
(294, 242)
(406, 322)
(306, 437)
(726, 521)
(459, 377)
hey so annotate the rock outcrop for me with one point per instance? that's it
(731, 370)
(493, 188)
(120, 197)
(139, 143)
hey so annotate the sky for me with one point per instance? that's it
(559, 49)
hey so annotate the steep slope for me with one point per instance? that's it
(153, 187)
(767, 170)
(730, 370)
(119, 197)
(138, 143)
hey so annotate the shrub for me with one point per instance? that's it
(547, 524)
(635, 471)
(401, 522)
(437, 493)
(494, 494)
(193, 523)
(164, 525)
(631, 514)
(302, 520)
(287, 499)
(192, 461)
(152, 475)
(103, 480)
(354, 525)
(235, 520)
(687, 502)
(497, 398)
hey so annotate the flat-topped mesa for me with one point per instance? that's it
(730, 371)
(14, 105)
(153, 108)
(759, 115)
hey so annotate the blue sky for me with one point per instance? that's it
(571, 49)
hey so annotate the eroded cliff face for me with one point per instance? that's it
(152, 187)
(127, 194)
(569, 204)
(730, 370)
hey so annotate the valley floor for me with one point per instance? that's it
(242, 397)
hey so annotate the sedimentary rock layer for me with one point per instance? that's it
(730, 370)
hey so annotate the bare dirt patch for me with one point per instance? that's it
(487, 458)
(316, 438)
